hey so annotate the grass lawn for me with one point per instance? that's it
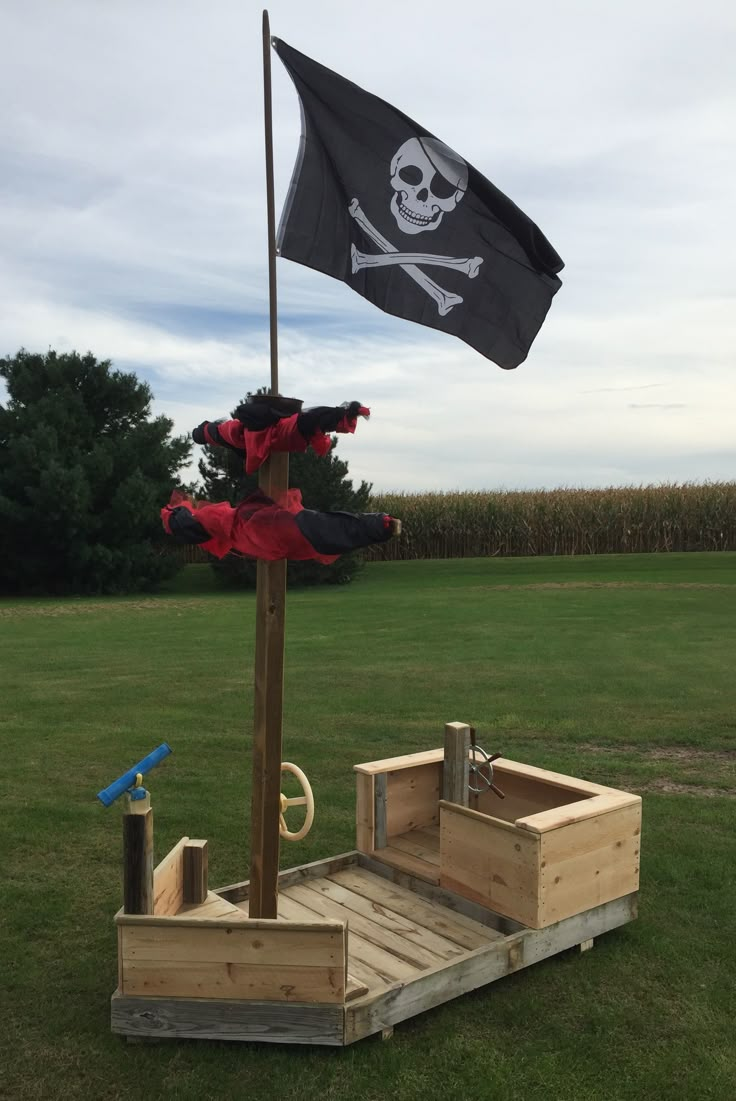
(618, 669)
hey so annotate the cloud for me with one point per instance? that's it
(132, 206)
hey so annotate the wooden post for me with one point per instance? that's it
(195, 872)
(138, 856)
(270, 609)
(455, 773)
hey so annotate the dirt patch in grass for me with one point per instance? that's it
(604, 585)
(82, 608)
(670, 787)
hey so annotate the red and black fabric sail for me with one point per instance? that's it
(260, 527)
(381, 204)
(270, 423)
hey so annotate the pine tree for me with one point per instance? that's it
(84, 470)
(324, 485)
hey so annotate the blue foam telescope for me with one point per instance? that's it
(127, 781)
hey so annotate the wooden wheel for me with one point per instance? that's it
(305, 800)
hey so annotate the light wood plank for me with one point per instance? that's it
(174, 979)
(238, 944)
(579, 812)
(408, 760)
(389, 919)
(572, 886)
(408, 843)
(405, 862)
(364, 958)
(458, 928)
(236, 892)
(370, 930)
(587, 835)
(455, 772)
(354, 988)
(412, 799)
(168, 881)
(212, 907)
(429, 836)
(556, 779)
(264, 1022)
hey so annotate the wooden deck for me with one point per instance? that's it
(394, 934)
(416, 852)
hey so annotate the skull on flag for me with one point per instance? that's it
(429, 180)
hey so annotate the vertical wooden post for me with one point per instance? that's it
(138, 856)
(455, 772)
(270, 609)
(195, 872)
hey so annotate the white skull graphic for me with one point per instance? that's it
(429, 180)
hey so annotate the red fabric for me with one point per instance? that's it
(232, 432)
(282, 436)
(258, 527)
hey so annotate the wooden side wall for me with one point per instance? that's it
(412, 799)
(275, 961)
(491, 862)
(168, 882)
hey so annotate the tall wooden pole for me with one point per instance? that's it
(270, 610)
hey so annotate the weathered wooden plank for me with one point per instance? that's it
(455, 772)
(408, 760)
(353, 902)
(376, 1012)
(495, 867)
(412, 799)
(409, 843)
(192, 979)
(354, 988)
(432, 892)
(195, 872)
(236, 892)
(168, 881)
(366, 928)
(264, 1022)
(595, 806)
(429, 836)
(364, 958)
(364, 813)
(458, 928)
(405, 862)
(138, 891)
(380, 785)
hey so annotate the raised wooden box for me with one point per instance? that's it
(554, 847)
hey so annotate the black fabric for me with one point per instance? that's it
(338, 532)
(184, 528)
(350, 139)
(325, 417)
(262, 411)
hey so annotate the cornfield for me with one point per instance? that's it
(697, 517)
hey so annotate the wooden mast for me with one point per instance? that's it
(270, 609)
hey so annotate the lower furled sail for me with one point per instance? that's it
(259, 527)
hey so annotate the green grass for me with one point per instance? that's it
(618, 669)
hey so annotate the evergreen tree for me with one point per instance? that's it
(324, 486)
(84, 471)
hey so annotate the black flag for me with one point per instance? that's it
(378, 202)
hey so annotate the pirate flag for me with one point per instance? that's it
(381, 204)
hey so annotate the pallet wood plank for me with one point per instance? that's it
(265, 1022)
(354, 902)
(192, 979)
(455, 772)
(597, 805)
(412, 797)
(586, 836)
(235, 944)
(236, 892)
(212, 907)
(408, 760)
(581, 882)
(376, 1012)
(168, 881)
(458, 928)
(369, 930)
(365, 959)
(409, 843)
(405, 862)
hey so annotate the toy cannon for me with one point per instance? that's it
(137, 831)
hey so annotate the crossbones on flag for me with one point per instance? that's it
(379, 203)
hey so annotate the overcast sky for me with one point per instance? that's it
(132, 222)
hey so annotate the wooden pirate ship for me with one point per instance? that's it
(466, 868)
